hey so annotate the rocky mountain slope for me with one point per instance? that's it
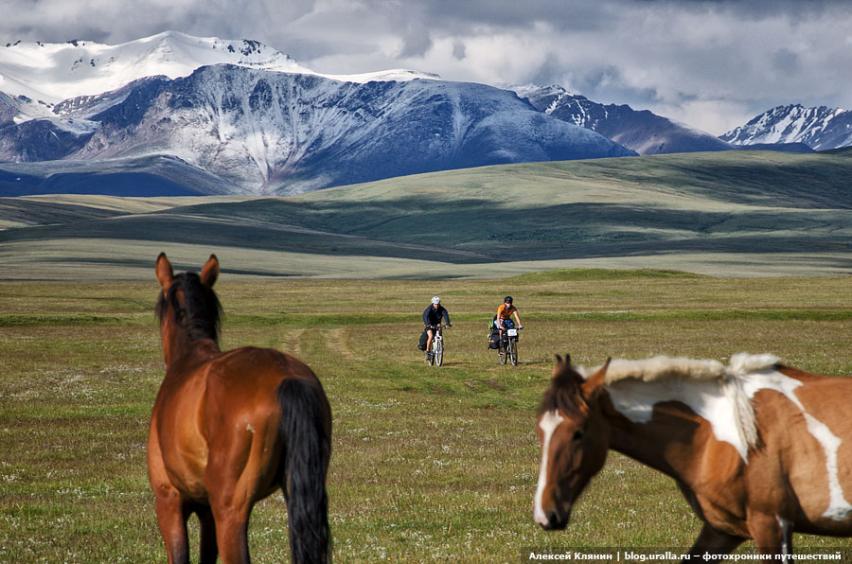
(259, 121)
(821, 128)
(640, 130)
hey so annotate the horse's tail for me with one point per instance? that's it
(306, 432)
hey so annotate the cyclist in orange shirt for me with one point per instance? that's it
(505, 313)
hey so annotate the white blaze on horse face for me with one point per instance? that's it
(548, 424)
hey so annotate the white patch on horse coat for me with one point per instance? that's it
(706, 386)
(725, 403)
(548, 424)
(707, 398)
(250, 428)
(839, 509)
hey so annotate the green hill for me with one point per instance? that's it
(717, 213)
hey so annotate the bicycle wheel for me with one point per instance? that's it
(513, 351)
(438, 356)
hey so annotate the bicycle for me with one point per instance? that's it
(509, 346)
(436, 355)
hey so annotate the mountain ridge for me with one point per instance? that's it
(249, 119)
(640, 130)
(86, 68)
(268, 133)
(820, 127)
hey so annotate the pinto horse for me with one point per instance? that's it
(230, 428)
(760, 450)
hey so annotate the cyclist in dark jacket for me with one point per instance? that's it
(432, 317)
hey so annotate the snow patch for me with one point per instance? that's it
(57, 71)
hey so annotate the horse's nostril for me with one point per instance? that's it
(552, 519)
(556, 521)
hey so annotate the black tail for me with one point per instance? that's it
(306, 430)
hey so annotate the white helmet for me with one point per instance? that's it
(436, 300)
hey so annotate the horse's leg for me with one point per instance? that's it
(785, 548)
(787, 542)
(232, 529)
(772, 535)
(231, 478)
(171, 516)
(209, 548)
(713, 541)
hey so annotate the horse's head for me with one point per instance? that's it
(166, 274)
(574, 441)
(187, 307)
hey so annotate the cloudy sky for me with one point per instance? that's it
(709, 63)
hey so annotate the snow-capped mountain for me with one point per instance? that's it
(821, 128)
(269, 129)
(641, 130)
(40, 75)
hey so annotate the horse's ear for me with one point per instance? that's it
(558, 366)
(565, 372)
(210, 271)
(165, 274)
(563, 361)
(595, 383)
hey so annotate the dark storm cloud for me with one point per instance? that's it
(710, 63)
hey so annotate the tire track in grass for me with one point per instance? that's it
(292, 343)
(337, 341)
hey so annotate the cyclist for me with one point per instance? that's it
(505, 312)
(432, 316)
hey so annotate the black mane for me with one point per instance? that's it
(201, 312)
(564, 392)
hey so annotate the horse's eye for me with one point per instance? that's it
(578, 434)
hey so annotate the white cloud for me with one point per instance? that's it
(715, 116)
(709, 63)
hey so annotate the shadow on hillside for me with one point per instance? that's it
(465, 230)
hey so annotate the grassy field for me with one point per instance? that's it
(734, 213)
(428, 464)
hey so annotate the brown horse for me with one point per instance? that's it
(760, 450)
(230, 428)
